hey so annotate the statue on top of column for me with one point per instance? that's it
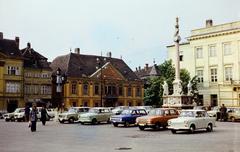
(165, 89)
(177, 37)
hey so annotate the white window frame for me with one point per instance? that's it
(227, 48)
(199, 52)
(228, 73)
(212, 50)
(213, 75)
(199, 73)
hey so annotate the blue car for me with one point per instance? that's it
(127, 117)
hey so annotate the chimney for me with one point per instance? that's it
(139, 68)
(209, 23)
(146, 67)
(77, 50)
(109, 54)
(28, 45)
(1, 35)
(17, 41)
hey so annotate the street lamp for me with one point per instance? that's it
(60, 80)
(100, 64)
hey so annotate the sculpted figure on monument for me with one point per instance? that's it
(189, 86)
(165, 89)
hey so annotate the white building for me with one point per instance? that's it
(213, 54)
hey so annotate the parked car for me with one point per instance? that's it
(156, 118)
(119, 109)
(215, 112)
(192, 120)
(96, 115)
(127, 117)
(72, 114)
(234, 114)
(10, 116)
(2, 112)
(20, 115)
(199, 108)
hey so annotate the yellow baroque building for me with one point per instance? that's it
(11, 74)
(96, 81)
(213, 54)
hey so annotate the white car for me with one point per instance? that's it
(10, 116)
(20, 115)
(191, 120)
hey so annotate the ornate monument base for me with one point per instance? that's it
(179, 102)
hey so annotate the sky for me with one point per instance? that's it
(136, 30)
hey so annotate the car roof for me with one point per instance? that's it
(80, 107)
(193, 110)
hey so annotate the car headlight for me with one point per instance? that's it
(169, 122)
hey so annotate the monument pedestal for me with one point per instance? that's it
(179, 102)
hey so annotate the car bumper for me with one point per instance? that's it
(178, 127)
(85, 120)
(146, 125)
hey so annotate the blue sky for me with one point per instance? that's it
(137, 30)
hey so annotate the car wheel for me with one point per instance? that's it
(6, 120)
(71, 120)
(233, 119)
(141, 127)
(209, 127)
(61, 121)
(115, 124)
(108, 121)
(94, 121)
(82, 123)
(19, 120)
(12, 119)
(126, 124)
(157, 126)
(192, 129)
(173, 131)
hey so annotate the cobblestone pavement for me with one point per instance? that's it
(56, 137)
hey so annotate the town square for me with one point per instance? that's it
(149, 76)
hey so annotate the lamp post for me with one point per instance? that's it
(100, 64)
(60, 80)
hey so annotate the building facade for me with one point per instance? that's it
(11, 74)
(212, 54)
(94, 81)
(37, 77)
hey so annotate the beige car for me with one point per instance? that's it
(234, 114)
(72, 114)
(96, 115)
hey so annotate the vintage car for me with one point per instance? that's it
(96, 115)
(10, 116)
(147, 108)
(234, 114)
(119, 109)
(20, 115)
(215, 112)
(127, 117)
(72, 114)
(156, 118)
(192, 120)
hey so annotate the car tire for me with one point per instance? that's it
(61, 121)
(82, 123)
(12, 119)
(71, 120)
(209, 127)
(157, 126)
(192, 129)
(7, 120)
(19, 120)
(173, 131)
(115, 124)
(108, 121)
(126, 124)
(94, 121)
(233, 119)
(141, 128)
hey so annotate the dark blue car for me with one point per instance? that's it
(127, 117)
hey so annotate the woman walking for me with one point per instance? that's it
(44, 115)
(33, 118)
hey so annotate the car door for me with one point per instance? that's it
(200, 119)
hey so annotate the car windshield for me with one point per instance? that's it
(93, 110)
(155, 112)
(17, 110)
(126, 112)
(187, 114)
(72, 110)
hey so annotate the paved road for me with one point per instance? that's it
(55, 137)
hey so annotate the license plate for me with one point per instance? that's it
(141, 124)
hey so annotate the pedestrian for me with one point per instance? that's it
(27, 111)
(44, 115)
(33, 118)
(223, 112)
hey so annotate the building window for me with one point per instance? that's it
(227, 49)
(228, 73)
(199, 53)
(74, 88)
(181, 55)
(85, 89)
(96, 89)
(85, 104)
(214, 75)
(12, 87)
(44, 75)
(13, 70)
(200, 76)
(129, 91)
(120, 91)
(138, 93)
(212, 51)
(45, 89)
